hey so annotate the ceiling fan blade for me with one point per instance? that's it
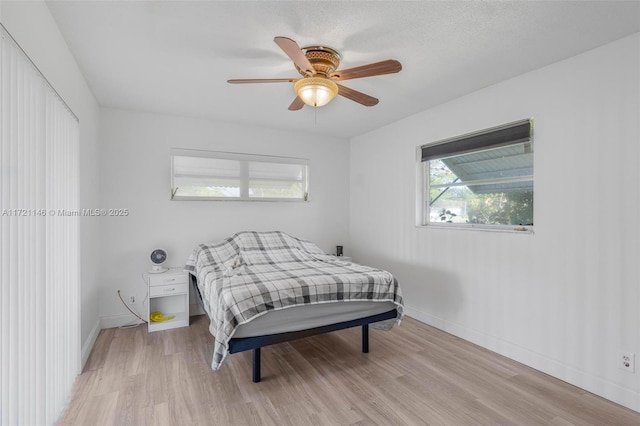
(296, 105)
(263, 80)
(356, 96)
(296, 54)
(390, 66)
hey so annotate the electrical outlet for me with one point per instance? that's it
(132, 299)
(627, 361)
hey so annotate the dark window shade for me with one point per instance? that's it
(508, 134)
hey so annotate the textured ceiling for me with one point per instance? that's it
(174, 57)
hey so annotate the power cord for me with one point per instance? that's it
(145, 279)
(130, 310)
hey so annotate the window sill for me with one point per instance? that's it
(481, 228)
(261, 200)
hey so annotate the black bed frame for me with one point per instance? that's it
(255, 343)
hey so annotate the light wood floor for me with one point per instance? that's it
(414, 374)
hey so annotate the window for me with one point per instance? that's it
(483, 179)
(211, 175)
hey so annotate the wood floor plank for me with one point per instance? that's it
(160, 415)
(96, 409)
(414, 374)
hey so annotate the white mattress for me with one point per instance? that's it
(310, 316)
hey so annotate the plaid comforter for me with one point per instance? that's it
(252, 273)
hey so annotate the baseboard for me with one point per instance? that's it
(113, 321)
(88, 344)
(604, 388)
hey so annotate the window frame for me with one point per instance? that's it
(423, 170)
(244, 178)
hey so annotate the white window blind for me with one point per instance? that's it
(39, 269)
(213, 175)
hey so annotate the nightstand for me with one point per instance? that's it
(169, 293)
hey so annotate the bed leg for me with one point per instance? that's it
(365, 338)
(255, 361)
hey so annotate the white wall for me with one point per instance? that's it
(136, 175)
(33, 27)
(564, 300)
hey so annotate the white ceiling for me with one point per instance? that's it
(175, 57)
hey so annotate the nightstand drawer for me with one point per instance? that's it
(168, 290)
(165, 279)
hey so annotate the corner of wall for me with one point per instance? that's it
(87, 346)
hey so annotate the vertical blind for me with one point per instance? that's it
(39, 268)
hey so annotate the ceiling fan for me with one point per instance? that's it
(318, 65)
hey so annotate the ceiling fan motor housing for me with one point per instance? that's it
(324, 60)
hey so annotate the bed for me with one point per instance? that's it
(263, 288)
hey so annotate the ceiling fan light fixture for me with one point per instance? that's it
(316, 91)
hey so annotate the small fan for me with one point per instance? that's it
(158, 257)
(318, 66)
